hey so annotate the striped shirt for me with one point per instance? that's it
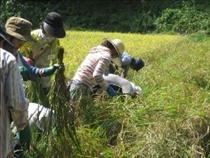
(93, 67)
(14, 105)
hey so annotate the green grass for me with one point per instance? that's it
(171, 120)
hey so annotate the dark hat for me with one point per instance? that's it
(19, 28)
(53, 25)
(3, 35)
(137, 64)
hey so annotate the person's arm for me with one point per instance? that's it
(31, 69)
(33, 72)
(126, 61)
(98, 76)
(125, 71)
(15, 96)
(99, 71)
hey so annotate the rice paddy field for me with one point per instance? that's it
(171, 120)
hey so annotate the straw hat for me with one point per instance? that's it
(118, 45)
(53, 24)
(19, 28)
(120, 48)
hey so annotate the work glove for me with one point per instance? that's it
(26, 74)
(111, 91)
(61, 68)
(49, 71)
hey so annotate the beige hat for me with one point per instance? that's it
(120, 48)
(19, 28)
(118, 45)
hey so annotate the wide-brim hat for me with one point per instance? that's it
(19, 28)
(3, 35)
(53, 25)
(117, 61)
(120, 48)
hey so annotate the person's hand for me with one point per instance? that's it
(49, 71)
(111, 91)
(61, 68)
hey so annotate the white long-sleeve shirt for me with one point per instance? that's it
(127, 86)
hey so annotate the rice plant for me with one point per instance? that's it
(170, 120)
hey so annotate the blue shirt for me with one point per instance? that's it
(126, 59)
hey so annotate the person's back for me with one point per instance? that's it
(13, 103)
(92, 68)
(5, 138)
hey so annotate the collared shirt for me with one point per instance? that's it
(14, 105)
(91, 71)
